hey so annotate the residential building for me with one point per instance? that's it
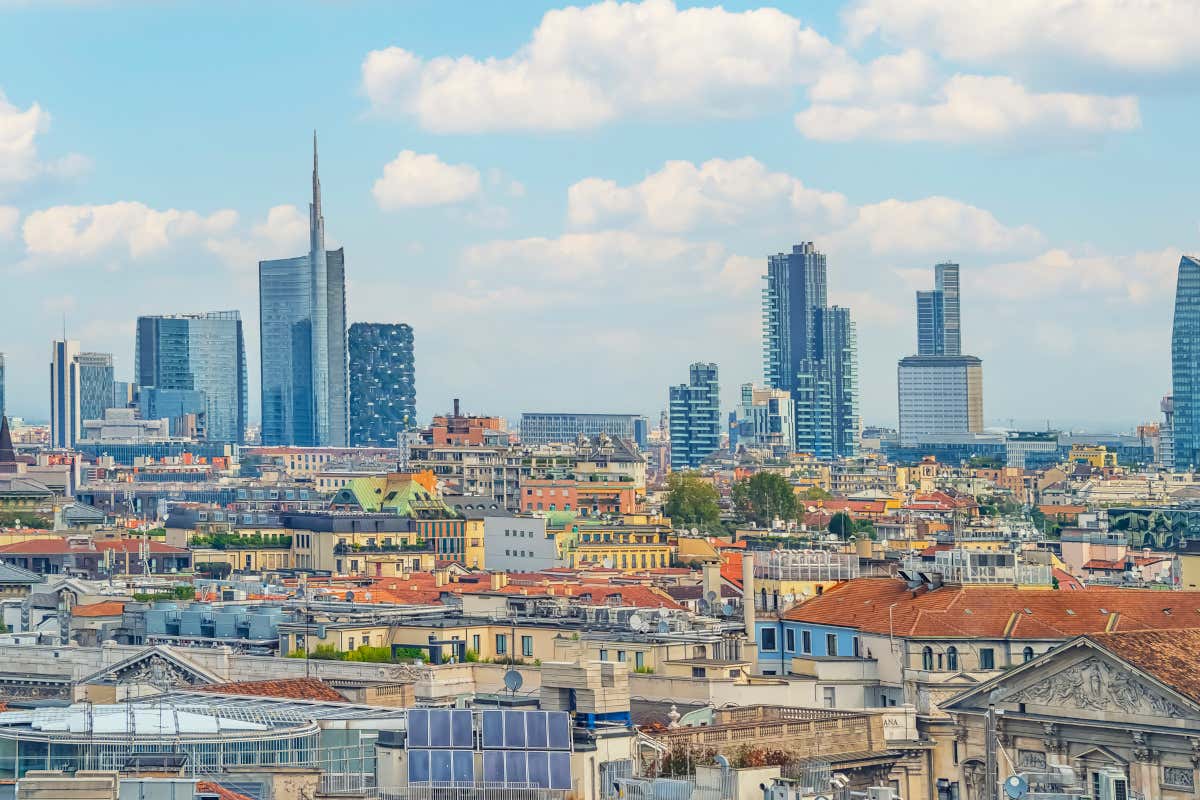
(457, 428)
(695, 409)
(1166, 434)
(302, 322)
(1185, 365)
(64, 393)
(94, 372)
(383, 394)
(555, 427)
(193, 366)
(939, 396)
(810, 350)
(518, 544)
(939, 329)
(763, 420)
(479, 470)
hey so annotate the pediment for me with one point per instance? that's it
(1099, 684)
(158, 665)
(1099, 753)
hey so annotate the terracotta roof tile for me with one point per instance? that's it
(208, 787)
(1171, 656)
(293, 688)
(107, 608)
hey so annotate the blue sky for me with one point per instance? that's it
(569, 206)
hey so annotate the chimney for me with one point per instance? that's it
(440, 577)
(712, 579)
(496, 578)
(751, 649)
(456, 406)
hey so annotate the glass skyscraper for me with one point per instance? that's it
(95, 375)
(810, 350)
(695, 409)
(189, 364)
(65, 424)
(1185, 366)
(939, 328)
(383, 394)
(302, 319)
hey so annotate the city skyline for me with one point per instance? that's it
(478, 215)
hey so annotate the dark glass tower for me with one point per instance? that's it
(1185, 366)
(194, 364)
(95, 375)
(810, 350)
(695, 409)
(383, 395)
(939, 326)
(302, 319)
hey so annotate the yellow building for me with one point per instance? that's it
(1098, 456)
(245, 559)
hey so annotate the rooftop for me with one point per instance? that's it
(290, 688)
(1171, 656)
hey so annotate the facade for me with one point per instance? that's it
(939, 329)
(64, 393)
(518, 544)
(695, 409)
(123, 426)
(1185, 365)
(302, 319)
(95, 376)
(1166, 434)
(553, 427)
(764, 420)
(194, 364)
(939, 396)
(383, 394)
(810, 350)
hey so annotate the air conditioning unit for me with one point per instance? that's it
(1112, 786)
(882, 793)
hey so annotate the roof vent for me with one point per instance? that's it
(1070, 612)
(1104, 611)
(1029, 611)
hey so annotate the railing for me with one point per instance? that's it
(813, 738)
(456, 791)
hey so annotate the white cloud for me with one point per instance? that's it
(1139, 278)
(974, 108)
(1139, 36)
(583, 67)
(284, 233)
(889, 77)
(935, 225)
(416, 179)
(8, 222)
(19, 161)
(683, 197)
(132, 229)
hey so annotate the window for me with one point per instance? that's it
(806, 641)
(857, 647)
(639, 660)
(927, 659)
(621, 656)
(1027, 654)
(350, 643)
(987, 658)
(789, 640)
(501, 644)
(952, 658)
(831, 646)
(768, 639)
(603, 654)
(829, 696)
(527, 645)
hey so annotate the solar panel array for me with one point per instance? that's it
(529, 748)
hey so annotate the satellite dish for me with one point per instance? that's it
(637, 623)
(695, 531)
(1016, 787)
(608, 563)
(703, 606)
(711, 597)
(664, 626)
(513, 680)
(367, 597)
(349, 597)
(727, 609)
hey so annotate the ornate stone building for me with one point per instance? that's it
(1107, 705)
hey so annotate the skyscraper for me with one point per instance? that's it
(95, 374)
(939, 329)
(64, 393)
(810, 350)
(940, 391)
(193, 365)
(302, 318)
(695, 409)
(383, 394)
(1185, 365)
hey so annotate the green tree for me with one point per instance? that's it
(764, 497)
(691, 501)
(816, 493)
(841, 525)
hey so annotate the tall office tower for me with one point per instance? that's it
(302, 318)
(695, 409)
(95, 374)
(810, 350)
(383, 393)
(939, 327)
(940, 397)
(1185, 365)
(191, 370)
(64, 393)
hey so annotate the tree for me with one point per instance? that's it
(841, 525)
(764, 497)
(816, 493)
(691, 501)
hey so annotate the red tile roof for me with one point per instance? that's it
(1171, 656)
(107, 608)
(208, 787)
(292, 688)
(995, 612)
(60, 546)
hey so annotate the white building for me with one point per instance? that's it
(939, 396)
(122, 426)
(764, 420)
(518, 544)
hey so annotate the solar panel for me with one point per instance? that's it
(493, 766)
(558, 729)
(515, 767)
(539, 768)
(464, 766)
(440, 766)
(418, 728)
(439, 729)
(493, 729)
(535, 730)
(514, 730)
(461, 733)
(560, 770)
(443, 766)
(418, 766)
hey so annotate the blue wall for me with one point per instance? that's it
(789, 642)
